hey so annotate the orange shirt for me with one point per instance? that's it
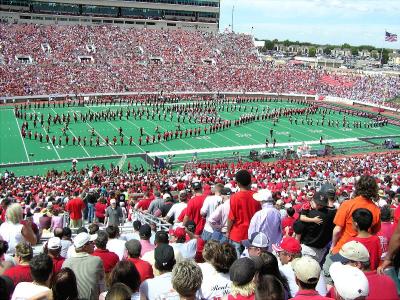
(343, 219)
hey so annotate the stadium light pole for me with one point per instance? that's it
(233, 9)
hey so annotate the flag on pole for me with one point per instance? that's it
(390, 37)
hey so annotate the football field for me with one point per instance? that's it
(243, 138)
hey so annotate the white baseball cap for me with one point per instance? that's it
(306, 269)
(257, 239)
(350, 282)
(263, 195)
(54, 243)
(83, 238)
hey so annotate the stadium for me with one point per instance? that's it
(150, 99)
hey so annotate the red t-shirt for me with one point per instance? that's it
(100, 210)
(144, 268)
(75, 207)
(144, 203)
(385, 235)
(288, 222)
(57, 264)
(20, 273)
(242, 209)
(110, 259)
(193, 212)
(373, 245)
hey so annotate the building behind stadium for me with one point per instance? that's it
(202, 15)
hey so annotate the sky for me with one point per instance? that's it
(357, 22)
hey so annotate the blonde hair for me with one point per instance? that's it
(14, 213)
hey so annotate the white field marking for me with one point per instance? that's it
(23, 142)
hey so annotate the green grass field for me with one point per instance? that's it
(15, 149)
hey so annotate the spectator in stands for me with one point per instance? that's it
(91, 199)
(267, 220)
(126, 273)
(156, 203)
(114, 215)
(186, 279)
(288, 250)
(307, 272)
(57, 220)
(135, 234)
(177, 208)
(6, 288)
(288, 221)
(386, 232)
(119, 291)
(134, 248)
(144, 203)
(4, 265)
(89, 270)
(53, 247)
(242, 209)
(115, 244)
(350, 282)
(13, 232)
(269, 287)
(362, 220)
(256, 244)
(64, 285)
(355, 254)
(41, 267)
(366, 191)
(218, 259)
(211, 202)
(21, 272)
(178, 241)
(242, 274)
(161, 285)
(270, 266)
(75, 207)
(109, 259)
(145, 234)
(100, 209)
(218, 220)
(93, 228)
(193, 209)
(66, 240)
(315, 238)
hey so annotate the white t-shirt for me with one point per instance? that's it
(209, 206)
(26, 290)
(134, 296)
(176, 210)
(215, 285)
(187, 250)
(294, 288)
(11, 233)
(159, 288)
(117, 246)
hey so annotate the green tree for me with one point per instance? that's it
(354, 50)
(287, 43)
(328, 49)
(345, 45)
(312, 51)
(385, 56)
(269, 45)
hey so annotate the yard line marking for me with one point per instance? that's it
(134, 143)
(88, 155)
(44, 128)
(96, 132)
(23, 142)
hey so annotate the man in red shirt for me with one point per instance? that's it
(110, 259)
(144, 203)
(54, 251)
(75, 208)
(193, 208)
(242, 209)
(22, 271)
(133, 248)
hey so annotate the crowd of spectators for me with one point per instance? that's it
(147, 60)
(288, 229)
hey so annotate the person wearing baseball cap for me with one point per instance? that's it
(161, 285)
(242, 273)
(307, 273)
(314, 237)
(178, 242)
(257, 244)
(54, 251)
(268, 219)
(288, 250)
(350, 283)
(88, 269)
(355, 254)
